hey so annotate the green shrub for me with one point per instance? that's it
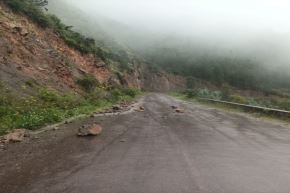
(238, 99)
(31, 9)
(190, 93)
(16, 5)
(284, 104)
(205, 93)
(48, 95)
(120, 94)
(88, 83)
(131, 92)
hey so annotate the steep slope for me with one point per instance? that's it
(113, 36)
(28, 52)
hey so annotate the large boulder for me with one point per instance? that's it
(90, 130)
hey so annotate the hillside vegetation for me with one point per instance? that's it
(237, 71)
(48, 72)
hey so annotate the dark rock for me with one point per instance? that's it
(116, 108)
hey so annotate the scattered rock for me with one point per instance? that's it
(179, 110)
(174, 107)
(2, 147)
(16, 135)
(27, 134)
(100, 65)
(35, 138)
(90, 130)
(56, 128)
(116, 108)
(9, 25)
(22, 31)
(140, 109)
(19, 68)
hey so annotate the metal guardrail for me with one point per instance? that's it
(252, 107)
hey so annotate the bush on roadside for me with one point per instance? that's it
(131, 92)
(238, 99)
(190, 93)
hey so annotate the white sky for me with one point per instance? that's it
(247, 15)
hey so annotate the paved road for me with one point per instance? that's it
(204, 150)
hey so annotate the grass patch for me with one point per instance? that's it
(49, 107)
(274, 101)
(230, 108)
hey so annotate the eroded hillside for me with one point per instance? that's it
(31, 53)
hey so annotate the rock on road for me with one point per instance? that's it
(203, 150)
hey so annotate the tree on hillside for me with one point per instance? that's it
(40, 3)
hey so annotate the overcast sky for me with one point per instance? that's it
(224, 23)
(200, 15)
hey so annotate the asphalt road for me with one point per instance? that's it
(203, 150)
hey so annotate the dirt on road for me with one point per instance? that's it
(158, 150)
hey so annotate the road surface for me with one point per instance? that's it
(203, 150)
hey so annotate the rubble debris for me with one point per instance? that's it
(16, 135)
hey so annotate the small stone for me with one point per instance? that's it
(179, 110)
(24, 32)
(36, 138)
(140, 109)
(116, 108)
(174, 107)
(55, 128)
(19, 68)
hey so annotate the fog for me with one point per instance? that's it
(253, 28)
